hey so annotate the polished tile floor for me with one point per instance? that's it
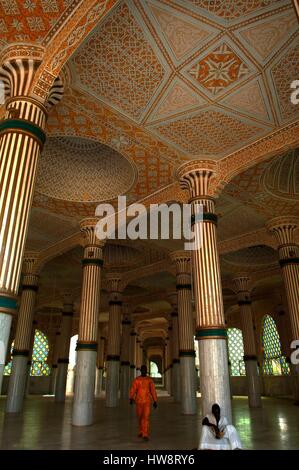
(45, 424)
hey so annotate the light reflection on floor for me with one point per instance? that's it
(45, 424)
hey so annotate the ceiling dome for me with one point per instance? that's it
(252, 256)
(82, 170)
(119, 256)
(281, 177)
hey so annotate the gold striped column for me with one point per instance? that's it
(186, 331)
(176, 374)
(88, 325)
(283, 229)
(21, 139)
(242, 286)
(196, 176)
(113, 341)
(64, 347)
(100, 361)
(18, 378)
(125, 353)
(132, 354)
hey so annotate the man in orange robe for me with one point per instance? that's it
(143, 391)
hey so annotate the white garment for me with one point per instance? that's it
(229, 441)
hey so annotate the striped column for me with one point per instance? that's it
(88, 326)
(283, 229)
(176, 373)
(54, 363)
(125, 354)
(242, 286)
(132, 354)
(21, 140)
(210, 324)
(18, 378)
(100, 361)
(113, 341)
(64, 348)
(186, 331)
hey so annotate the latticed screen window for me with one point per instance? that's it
(274, 362)
(236, 351)
(7, 368)
(40, 355)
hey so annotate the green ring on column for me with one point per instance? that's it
(115, 302)
(286, 261)
(8, 302)
(113, 357)
(86, 346)
(176, 361)
(89, 261)
(210, 332)
(63, 361)
(183, 286)
(249, 357)
(125, 363)
(16, 352)
(67, 314)
(29, 287)
(126, 322)
(244, 302)
(132, 366)
(54, 366)
(206, 217)
(22, 125)
(186, 353)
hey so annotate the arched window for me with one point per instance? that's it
(40, 355)
(236, 351)
(274, 362)
(7, 368)
(154, 372)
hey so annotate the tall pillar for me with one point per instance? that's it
(64, 347)
(242, 284)
(168, 356)
(100, 362)
(132, 354)
(186, 331)
(17, 381)
(125, 354)
(176, 374)
(88, 326)
(21, 140)
(196, 177)
(138, 356)
(283, 229)
(113, 341)
(54, 366)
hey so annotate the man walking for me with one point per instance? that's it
(143, 391)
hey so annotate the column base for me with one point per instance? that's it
(17, 384)
(5, 324)
(61, 379)
(124, 381)
(253, 384)
(84, 388)
(188, 385)
(214, 376)
(112, 384)
(176, 382)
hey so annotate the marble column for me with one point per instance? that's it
(100, 362)
(243, 288)
(132, 354)
(21, 140)
(125, 354)
(18, 378)
(196, 177)
(64, 347)
(283, 229)
(113, 341)
(176, 373)
(88, 325)
(55, 353)
(186, 331)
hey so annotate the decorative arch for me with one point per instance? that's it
(274, 363)
(236, 351)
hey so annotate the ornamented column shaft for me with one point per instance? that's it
(88, 326)
(21, 140)
(186, 331)
(132, 354)
(242, 283)
(18, 378)
(210, 325)
(125, 354)
(283, 229)
(64, 348)
(113, 342)
(176, 373)
(100, 361)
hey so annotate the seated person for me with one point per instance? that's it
(217, 434)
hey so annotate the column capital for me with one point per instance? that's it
(88, 230)
(283, 228)
(182, 259)
(30, 271)
(243, 287)
(196, 176)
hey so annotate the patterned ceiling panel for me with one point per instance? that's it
(254, 255)
(118, 64)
